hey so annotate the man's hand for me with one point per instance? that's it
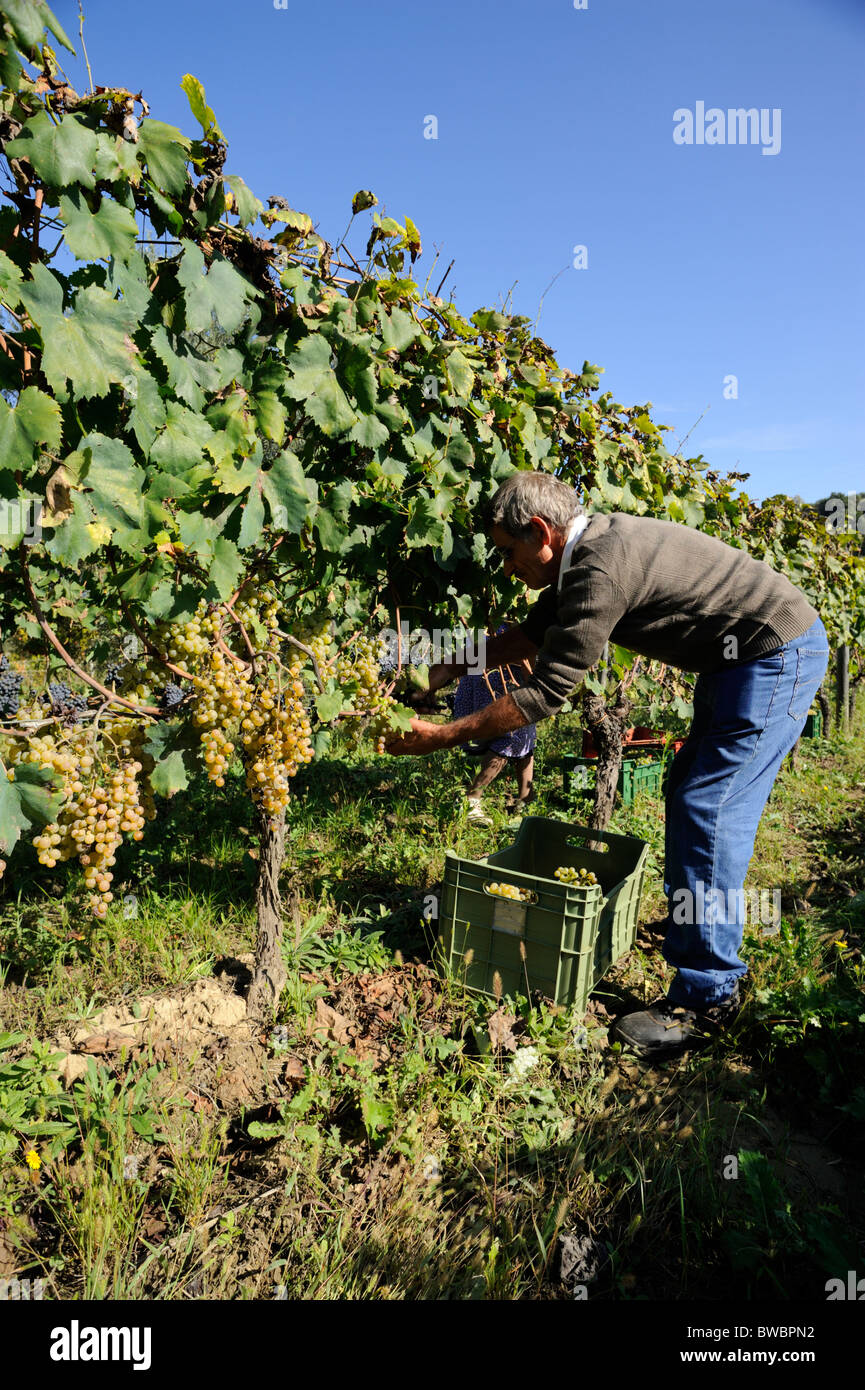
(424, 738)
(443, 674)
(501, 717)
(425, 701)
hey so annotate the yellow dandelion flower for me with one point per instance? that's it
(32, 1159)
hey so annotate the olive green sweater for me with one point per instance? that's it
(663, 590)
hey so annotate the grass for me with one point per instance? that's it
(404, 1157)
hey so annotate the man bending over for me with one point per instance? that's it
(674, 594)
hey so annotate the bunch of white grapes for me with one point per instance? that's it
(362, 665)
(575, 878)
(319, 639)
(276, 737)
(262, 710)
(97, 808)
(224, 697)
(510, 890)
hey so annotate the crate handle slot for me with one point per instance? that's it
(519, 902)
(580, 838)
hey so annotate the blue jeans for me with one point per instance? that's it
(746, 719)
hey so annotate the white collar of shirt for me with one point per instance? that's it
(578, 526)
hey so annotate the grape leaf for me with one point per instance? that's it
(412, 236)
(30, 801)
(461, 375)
(330, 533)
(222, 292)
(62, 153)
(110, 231)
(291, 496)
(314, 381)
(147, 415)
(189, 374)
(117, 159)
(11, 72)
(297, 224)
(328, 406)
(252, 519)
(232, 478)
(199, 107)
(198, 533)
(90, 345)
(128, 278)
(34, 420)
(226, 568)
(328, 706)
(398, 329)
(424, 527)
(19, 517)
(369, 432)
(71, 542)
(10, 275)
(247, 206)
(394, 416)
(400, 717)
(167, 744)
(115, 480)
(270, 415)
(359, 376)
(178, 447)
(166, 150)
(309, 364)
(27, 21)
(167, 218)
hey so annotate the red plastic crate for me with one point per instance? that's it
(633, 745)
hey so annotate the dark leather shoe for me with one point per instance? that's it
(665, 1028)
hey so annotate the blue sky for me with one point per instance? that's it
(555, 130)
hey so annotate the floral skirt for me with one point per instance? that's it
(472, 694)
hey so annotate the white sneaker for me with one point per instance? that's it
(475, 811)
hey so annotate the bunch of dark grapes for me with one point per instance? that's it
(10, 689)
(59, 695)
(63, 702)
(172, 695)
(112, 673)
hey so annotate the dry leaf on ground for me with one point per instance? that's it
(330, 1024)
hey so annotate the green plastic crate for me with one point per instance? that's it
(633, 778)
(813, 725)
(571, 935)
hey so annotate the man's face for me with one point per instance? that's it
(533, 560)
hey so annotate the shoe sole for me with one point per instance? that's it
(657, 1050)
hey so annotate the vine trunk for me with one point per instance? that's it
(269, 975)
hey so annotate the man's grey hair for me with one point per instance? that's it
(527, 494)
